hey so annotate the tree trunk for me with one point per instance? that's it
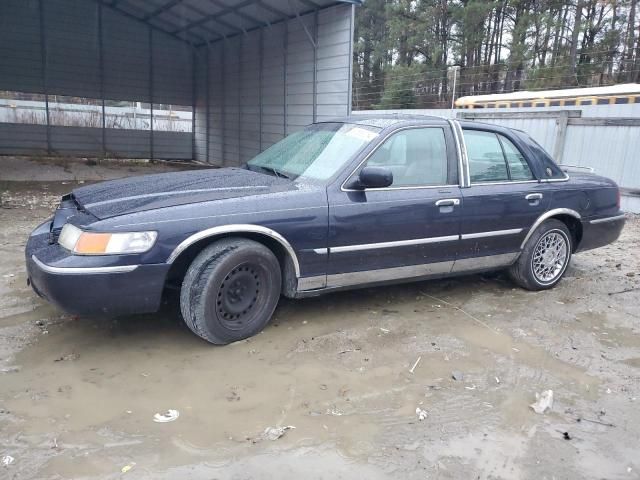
(628, 63)
(573, 54)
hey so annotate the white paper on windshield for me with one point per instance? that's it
(361, 134)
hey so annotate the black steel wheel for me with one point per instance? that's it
(230, 290)
(238, 294)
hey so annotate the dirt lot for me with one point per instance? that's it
(78, 395)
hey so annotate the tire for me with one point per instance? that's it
(536, 269)
(230, 290)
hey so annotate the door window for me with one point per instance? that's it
(518, 166)
(494, 158)
(416, 157)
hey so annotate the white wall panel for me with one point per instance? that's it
(275, 82)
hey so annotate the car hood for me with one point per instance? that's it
(149, 192)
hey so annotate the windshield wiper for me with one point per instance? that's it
(276, 172)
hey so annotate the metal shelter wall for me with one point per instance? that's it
(251, 70)
(252, 89)
(81, 48)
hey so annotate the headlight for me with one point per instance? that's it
(89, 243)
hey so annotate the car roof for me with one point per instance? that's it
(385, 120)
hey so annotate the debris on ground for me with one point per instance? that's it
(456, 375)
(126, 468)
(415, 365)
(7, 460)
(335, 412)
(11, 369)
(233, 396)
(544, 402)
(580, 419)
(168, 416)
(67, 357)
(274, 433)
(422, 414)
(566, 436)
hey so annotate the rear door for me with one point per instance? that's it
(407, 230)
(503, 200)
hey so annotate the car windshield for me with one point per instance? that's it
(317, 152)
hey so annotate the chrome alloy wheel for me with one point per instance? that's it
(550, 257)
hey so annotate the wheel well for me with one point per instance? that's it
(181, 264)
(575, 227)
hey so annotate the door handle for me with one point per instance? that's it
(534, 196)
(448, 202)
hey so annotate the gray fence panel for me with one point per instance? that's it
(72, 53)
(23, 139)
(126, 58)
(172, 145)
(20, 61)
(128, 143)
(26, 139)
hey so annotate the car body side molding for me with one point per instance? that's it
(607, 219)
(545, 216)
(236, 228)
(82, 270)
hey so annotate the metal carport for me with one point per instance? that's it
(251, 71)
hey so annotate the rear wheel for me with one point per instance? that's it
(544, 258)
(230, 290)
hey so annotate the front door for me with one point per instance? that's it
(502, 202)
(408, 230)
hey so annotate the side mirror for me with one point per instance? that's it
(374, 177)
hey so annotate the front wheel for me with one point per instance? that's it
(230, 290)
(545, 257)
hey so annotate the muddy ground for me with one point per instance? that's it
(78, 395)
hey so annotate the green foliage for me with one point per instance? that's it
(398, 91)
(404, 48)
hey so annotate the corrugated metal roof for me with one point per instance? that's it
(204, 21)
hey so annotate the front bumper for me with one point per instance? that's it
(91, 285)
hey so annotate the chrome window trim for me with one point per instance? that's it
(552, 180)
(607, 219)
(236, 228)
(545, 216)
(399, 243)
(409, 187)
(501, 182)
(383, 189)
(464, 155)
(82, 270)
(515, 182)
(492, 233)
(460, 151)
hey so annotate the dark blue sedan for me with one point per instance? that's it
(343, 204)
